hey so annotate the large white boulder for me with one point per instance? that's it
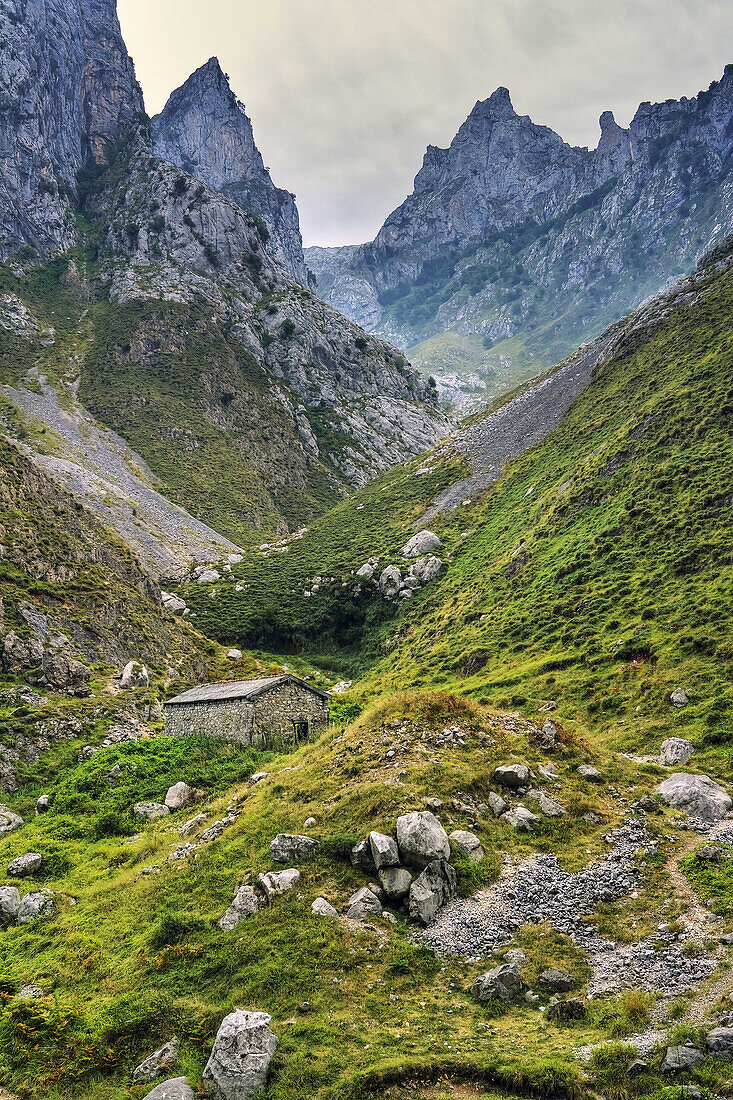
(675, 751)
(421, 839)
(180, 794)
(699, 796)
(468, 844)
(9, 821)
(424, 542)
(245, 904)
(431, 890)
(239, 1064)
(384, 850)
(512, 775)
(279, 882)
(134, 674)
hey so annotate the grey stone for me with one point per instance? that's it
(43, 804)
(587, 771)
(523, 820)
(421, 839)
(503, 983)
(30, 993)
(134, 674)
(384, 850)
(192, 825)
(431, 890)
(512, 775)
(548, 805)
(150, 810)
(245, 904)
(279, 882)
(364, 904)
(234, 654)
(177, 1088)
(497, 804)
(9, 905)
(697, 795)
(157, 1063)
(390, 581)
(679, 698)
(180, 794)
(35, 905)
(9, 821)
(290, 847)
(361, 857)
(675, 750)
(323, 908)
(424, 542)
(557, 981)
(468, 844)
(24, 865)
(565, 1011)
(425, 570)
(681, 1058)
(239, 1064)
(720, 1041)
(395, 882)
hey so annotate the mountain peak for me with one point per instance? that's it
(497, 106)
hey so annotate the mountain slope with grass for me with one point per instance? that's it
(593, 573)
(514, 247)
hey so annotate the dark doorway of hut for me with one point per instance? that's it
(302, 732)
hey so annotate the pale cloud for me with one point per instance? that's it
(344, 95)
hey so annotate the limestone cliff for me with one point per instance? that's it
(204, 129)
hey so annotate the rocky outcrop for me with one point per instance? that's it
(699, 796)
(68, 93)
(509, 221)
(204, 130)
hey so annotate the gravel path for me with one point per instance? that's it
(537, 889)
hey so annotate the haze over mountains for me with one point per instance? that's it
(515, 247)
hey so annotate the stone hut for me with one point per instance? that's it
(249, 711)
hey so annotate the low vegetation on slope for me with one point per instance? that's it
(134, 952)
(596, 574)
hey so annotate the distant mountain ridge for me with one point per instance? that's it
(515, 246)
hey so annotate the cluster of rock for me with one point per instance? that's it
(686, 1056)
(518, 779)
(238, 1066)
(15, 909)
(397, 584)
(504, 983)
(45, 659)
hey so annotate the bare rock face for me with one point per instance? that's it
(68, 91)
(240, 1060)
(204, 130)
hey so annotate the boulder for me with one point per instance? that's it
(31, 993)
(245, 904)
(497, 804)
(323, 908)
(134, 674)
(425, 570)
(157, 1063)
(720, 1041)
(290, 847)
(239, 1064)
(548, 771)
(674, 751)
(9, 821)
(208, 576)
(424, 542)
(361, 857)
(468, 845)
(697, 795)
(150, 810)
(390, 581)
(35, 905)
(180, 794)
(24, 865)
(192, 825)
(680, 1059)
(679, 698)
(557, 981)
(548, 805)
(177, 1088)
(512, 775)
(431, 890)
(587, 771)
(503, 983)
(172, 603)
(64, 673)
(421, 839)
(564, 1011)
(384, 851)
(523, 820)
(279, 882)
(9, 905)
(234, 654)
(43, 804)
(363, 904)
(395, 882)
(366, 571)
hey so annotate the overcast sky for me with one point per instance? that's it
(344, 95)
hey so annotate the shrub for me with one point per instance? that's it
(287, 329)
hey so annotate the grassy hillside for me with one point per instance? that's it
(359, 1010)
(596, 573)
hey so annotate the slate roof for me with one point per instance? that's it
(239, 689)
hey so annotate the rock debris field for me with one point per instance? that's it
(537, 889)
